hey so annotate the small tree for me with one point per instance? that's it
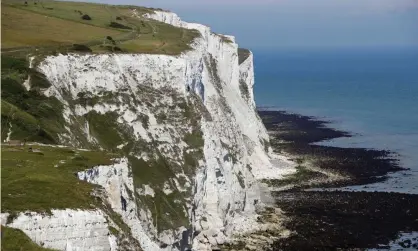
(86, 17)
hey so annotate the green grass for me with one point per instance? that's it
(167, 210)
(16, 240)
(33, 116)
(166, 39)
(194, 139)
(101, 14)
(89, 99)
(114, 231)
(29, 180)
(25, 28)
(154, 172)
(105, 128)
(24, 25)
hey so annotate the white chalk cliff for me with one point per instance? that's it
(221, 196)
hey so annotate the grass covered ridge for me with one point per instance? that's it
(16, 240)
(46, 179)
(56, 25)
(28, 114)
(21, 27)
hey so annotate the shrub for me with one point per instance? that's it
(161, 117)
(80, 47)
(85, 17)
(111, 48)
(114, 231)
(119, 26)
(33, 114)
(111, 40)
(38, 80)
(118, 18)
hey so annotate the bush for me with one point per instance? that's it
(118, 18)
(116, 49)
(111, 48)
(119, 26)
(80, 47)
(111, 40)
(13, 63)
(38, 80)
(35, 115)
(86, 17)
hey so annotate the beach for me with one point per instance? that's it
(321, 219)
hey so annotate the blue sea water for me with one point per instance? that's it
(372, 93)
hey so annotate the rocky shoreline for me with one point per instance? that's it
(336, 220)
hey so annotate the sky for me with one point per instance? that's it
(302, 23)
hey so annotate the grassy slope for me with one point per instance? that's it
(39, 181)
(24, 28)
(55, 23)
(16, 240)
(33, 116)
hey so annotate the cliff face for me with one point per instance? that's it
(192, 144)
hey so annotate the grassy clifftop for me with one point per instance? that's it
(56, 26)
(38, 180)
(14, 239)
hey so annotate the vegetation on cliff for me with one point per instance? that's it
(54, 26)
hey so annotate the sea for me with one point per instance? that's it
(371, 93)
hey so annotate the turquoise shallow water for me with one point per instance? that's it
(371, 93)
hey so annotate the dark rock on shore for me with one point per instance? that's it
(345, 220)
(337, 220)
(298, 128)
(294, 134)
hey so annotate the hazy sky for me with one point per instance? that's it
(302, 23)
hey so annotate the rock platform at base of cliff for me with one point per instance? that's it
(330, 220)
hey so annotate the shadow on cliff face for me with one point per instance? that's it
(337, 220)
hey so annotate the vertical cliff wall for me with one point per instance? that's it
(193, 147)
